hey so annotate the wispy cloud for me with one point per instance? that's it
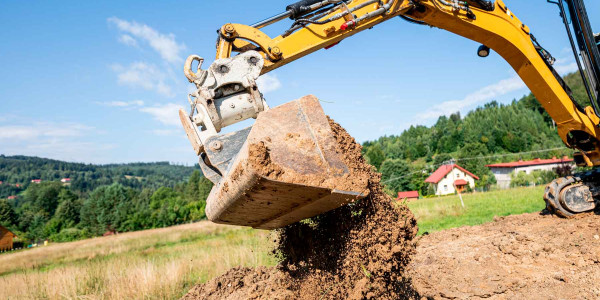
(164, 44)
(128, 40)
(166, 113)
(40, 130)
(144, 75)
(66, 141)
(565, 65)
(122, 103)
(268, 83)
(481, 96)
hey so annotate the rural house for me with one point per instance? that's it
(36, 181)
(502, 171)
(6, 239)
(452, 178)
(409, 196)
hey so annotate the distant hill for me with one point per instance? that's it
(20, 170)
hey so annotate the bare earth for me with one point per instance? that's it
(368, 250)
(527, 256)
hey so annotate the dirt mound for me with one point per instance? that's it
(357, 251)
(517, 257)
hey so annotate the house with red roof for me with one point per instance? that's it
(408, 196)
(502, 171)
(451, 178)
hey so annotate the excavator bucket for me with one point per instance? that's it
(289, 168)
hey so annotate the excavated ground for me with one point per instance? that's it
(368, 250)
(527, 256)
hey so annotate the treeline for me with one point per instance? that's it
(16, 173)
(51, 210)
(492, 131)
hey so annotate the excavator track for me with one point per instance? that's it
(571, 195)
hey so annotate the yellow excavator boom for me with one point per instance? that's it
(244, 52)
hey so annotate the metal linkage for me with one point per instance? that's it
(226, 94)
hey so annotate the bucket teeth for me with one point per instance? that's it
(288, 169)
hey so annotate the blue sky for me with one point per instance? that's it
(100, 81)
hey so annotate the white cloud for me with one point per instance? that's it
(146, 76)
(481, 96)
(128, 40)
(268, 83)
(42, 130)
(164, 44)
(166, 113)
(63, 141)
(122, 103)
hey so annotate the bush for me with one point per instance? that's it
(69, 234)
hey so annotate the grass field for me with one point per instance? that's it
(165, 263)
(434, 214)
(151, 264)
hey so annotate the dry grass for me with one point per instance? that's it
(152, 264)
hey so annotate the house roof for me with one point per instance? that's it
(442, 171)
(411, 194)
(534, 162)
(460, 182)
(7, 230)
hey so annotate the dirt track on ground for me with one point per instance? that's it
(527, 256)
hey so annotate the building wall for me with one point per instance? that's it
(502, 176)
(6, 239)
(446, 185)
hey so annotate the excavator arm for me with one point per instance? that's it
(227, 93)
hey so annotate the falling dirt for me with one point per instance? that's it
(357, 251)
(527, 256)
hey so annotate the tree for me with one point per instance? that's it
(375, 156)
(192, 192)
(108, 208)
(395, 175)
(168, 208)
(44, 196)
(68, 211)
(8, 216)
(471, 157)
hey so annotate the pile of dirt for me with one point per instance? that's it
(528, 256)
(357, 251)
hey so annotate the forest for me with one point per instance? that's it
(98, 199)
(488, 134)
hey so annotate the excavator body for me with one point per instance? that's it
(289, 165)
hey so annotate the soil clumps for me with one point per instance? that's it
(358, 251)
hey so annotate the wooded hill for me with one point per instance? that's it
(493, 131)
(87, 177)
(99, 198)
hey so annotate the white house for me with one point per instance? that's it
(502, 171)
(449, 179)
